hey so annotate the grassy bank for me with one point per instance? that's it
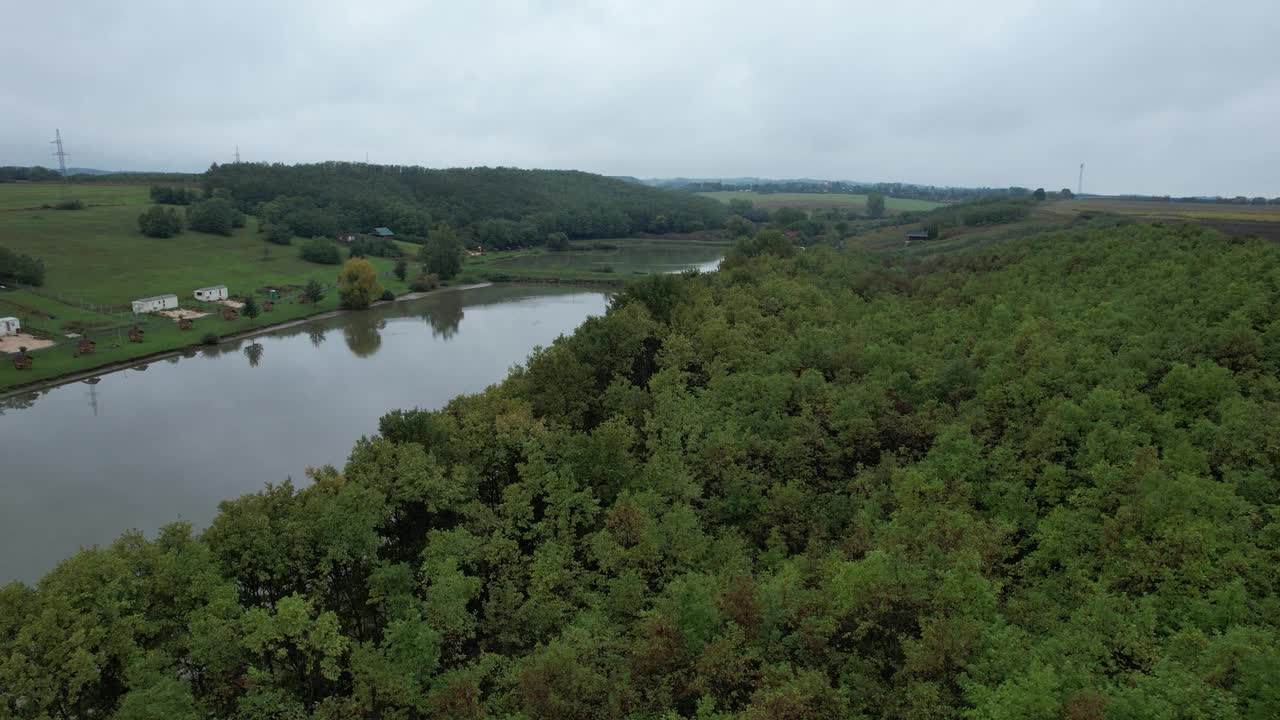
(604, 261)
(97, 262)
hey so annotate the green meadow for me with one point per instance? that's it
(97, 262)
(819, 201)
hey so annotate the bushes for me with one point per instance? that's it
(557, 242)
(424, 283)
(18, 268)
(313, 292)
(215, 216)
(74, 204)
(160, 222)
(375, 247)
(278, 233)
(320, 250)
(167, 195)
(210, 338)
(387, 295)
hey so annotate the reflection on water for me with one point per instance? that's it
(253, 351)
(151, 445)
(362, 336)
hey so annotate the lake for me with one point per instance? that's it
(81, 462)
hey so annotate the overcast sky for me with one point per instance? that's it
(1155, 96)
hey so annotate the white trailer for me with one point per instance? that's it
(142, 306)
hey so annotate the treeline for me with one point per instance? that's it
(978, 213)
(889, 189)
(1032, 482)
(1214, 200)
(13, 173)
(173, 195)
(16, 267)
(497, 207)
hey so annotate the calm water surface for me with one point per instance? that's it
(142, 447)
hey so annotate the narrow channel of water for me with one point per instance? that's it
(139, 448)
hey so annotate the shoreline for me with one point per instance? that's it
(117, 366)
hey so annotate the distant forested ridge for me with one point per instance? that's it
(1037, 480)
(498, 207)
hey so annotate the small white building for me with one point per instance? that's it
(9, 326)
(213, 292)
(146, 305)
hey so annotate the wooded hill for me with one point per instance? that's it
(497, 206)
(1033, 481)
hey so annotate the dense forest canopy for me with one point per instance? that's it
(1035, 481)
(498, 207)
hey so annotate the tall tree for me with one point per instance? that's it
(250, 309)
(441, 255)
(875, 205)
(358, 284)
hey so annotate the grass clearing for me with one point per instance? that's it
(819, 201)
(1158, 209)
(33, 196)
(97, 262)
(627, 257)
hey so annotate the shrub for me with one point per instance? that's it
(424, 283)
(557, 242)
(76, 204)
(212, 216)
(320, 250)
(160, 222)
(278, 233)
(166, 195)
(387, 295)
(375, 247)
(314, 291)
(19, 268)
(210, 338)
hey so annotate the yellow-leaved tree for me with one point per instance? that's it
(358, 284)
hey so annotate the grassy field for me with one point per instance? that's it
(1170, 210)
(817, 201)
(627, 257)
(97, 255)
(34, 196)
(98, 262)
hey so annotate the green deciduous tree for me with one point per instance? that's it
(313, 291)
(441, 255)
(215, 215)
(160, 222)
(320, 250)
(875, 205)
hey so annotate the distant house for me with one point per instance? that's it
(383, 232)
(213, 292)
(347, 237)
(146, 305)
(9, 326)
(917, 235)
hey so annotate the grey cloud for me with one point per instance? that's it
(1156, 96)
